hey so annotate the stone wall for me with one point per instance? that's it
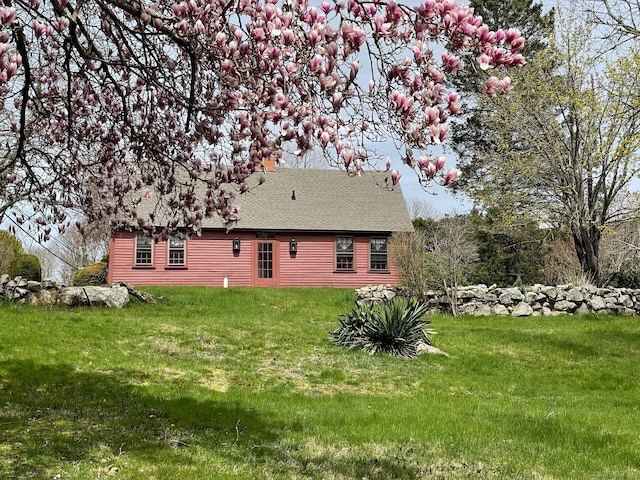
(45, 293)
(481, 300)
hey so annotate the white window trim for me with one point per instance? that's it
(386, 253)
(353, 254)
(135, 252)
(184, 252)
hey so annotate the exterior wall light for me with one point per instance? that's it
(236, 245)
(293, 246)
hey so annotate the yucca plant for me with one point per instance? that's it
(395, 327)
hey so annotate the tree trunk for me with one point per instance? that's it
(586, 240)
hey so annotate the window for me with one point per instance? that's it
(378, 254)
(143, 249)
(176, 251)
(344, 253)
(265, 259)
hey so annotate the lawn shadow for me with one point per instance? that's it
(54, 415)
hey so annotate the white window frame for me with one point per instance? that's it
(143, 250)
(375, 257)
(180, 249)
(345, 254)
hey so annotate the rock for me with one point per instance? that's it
(583, 309)
(33, 286)
(429, 349)
(475, 309)
(45, 297)
(500, 310)
(574, 295)
(532, 297)
(19, 292)
(374, 294)
(597, 303)
(626, 301)
(511, 296)
(604, 292)
(115, 297)
(4, 279)
(467, 294)
(523, 309)
(551, 292)
(564, 306)
(144, 296)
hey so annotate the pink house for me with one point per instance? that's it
(300, 228)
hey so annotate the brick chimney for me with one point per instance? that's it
(269, 164)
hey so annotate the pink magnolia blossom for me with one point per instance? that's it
(422, 162)
(484, 61)
(395, 176)
(431, 170)
(7, 15)
(62, 24)
(451, 62)
(39, 28)
(452, 175)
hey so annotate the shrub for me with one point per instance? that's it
(91, 275)
(26, 266)
(395, 327)
(10, 249)
(408, 255)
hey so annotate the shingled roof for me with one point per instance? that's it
(321, 200)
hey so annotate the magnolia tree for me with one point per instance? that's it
(106, 103)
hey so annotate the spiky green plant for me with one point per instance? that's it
(397, 328)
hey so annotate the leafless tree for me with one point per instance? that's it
(452, 254)
(421, 208)
(619, 20)
(65, 253)
(408, 251)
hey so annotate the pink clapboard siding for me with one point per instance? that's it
(210, 258)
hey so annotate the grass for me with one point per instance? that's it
(244, 383)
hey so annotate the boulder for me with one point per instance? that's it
(45, 297)
(625, 300)
(564, 306)
(532, 297)
(511, 296)
(500, 309)
(583, 309)
(597, 303)
(115, 297)
(429, 349)
(523, 309)
(574, 295)
(145, 297)
(34, 286)
(475, 309)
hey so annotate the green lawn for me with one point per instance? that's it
(244, 384)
